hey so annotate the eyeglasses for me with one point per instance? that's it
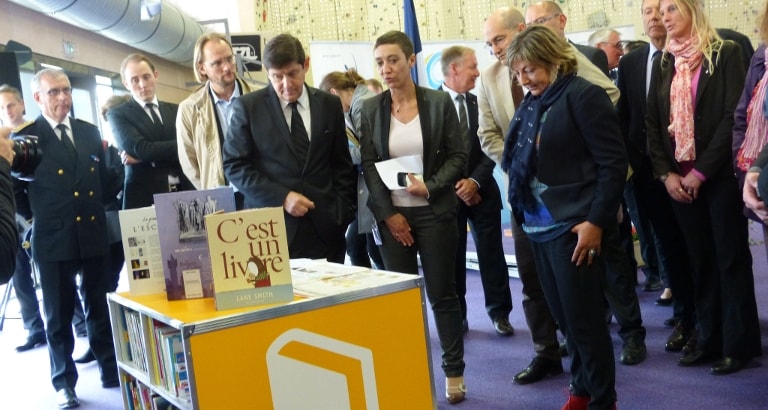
(542, 20)
(619, 45)
(54, 92)
(228, 61)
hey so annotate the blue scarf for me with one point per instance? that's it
(519, 159)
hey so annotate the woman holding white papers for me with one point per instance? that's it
(420, 218)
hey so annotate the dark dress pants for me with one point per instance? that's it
(362, 249)
(653, 200)
(485, 225)
(434, 241)
(652, 270)
(717, 240)
(620, 287)
(57, 280)
(535, 308)
(575, 295)
(24, 286)
(307, 242)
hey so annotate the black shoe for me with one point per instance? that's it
(690, 345)
(87, 357)
(503, 327)
(664, 301)
(727, 365)
(32, 342)
(653, 285)
(110, 383)
(464, 326)
(671, 322)
(633, 352)
(66, 398)
(563, 349)
(538, 369)
(694, 358)
(678, 338)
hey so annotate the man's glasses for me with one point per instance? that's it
(542, 20)
(54, 92)
(228, 61)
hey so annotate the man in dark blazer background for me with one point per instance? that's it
(479, 197)
(634, 76)
(69, 235)
(287, 147)
(145, 130)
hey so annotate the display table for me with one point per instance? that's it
(351, 339)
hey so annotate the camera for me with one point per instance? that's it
(28, 154)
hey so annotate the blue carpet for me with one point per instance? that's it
(656, 384)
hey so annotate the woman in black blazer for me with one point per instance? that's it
(567, 163)
(689, 141)
(420, 219)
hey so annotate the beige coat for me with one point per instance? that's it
(198, 138)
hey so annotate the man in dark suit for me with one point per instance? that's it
(652, 199)
(287, 147)
(69, 235)
(145, 130)
(479, 198)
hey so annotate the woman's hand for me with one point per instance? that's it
(417, 187)
(691, 185)
(399, 228)
(751, 200)
(588, 244)
(676, 190)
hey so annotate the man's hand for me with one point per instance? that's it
(297, 204)
(127, 159)
(751, 200)
(467, 191)
(6, 144)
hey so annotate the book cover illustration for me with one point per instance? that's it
(183, 243)
(249, 257)
(141, 246)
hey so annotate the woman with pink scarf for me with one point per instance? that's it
(695, 87)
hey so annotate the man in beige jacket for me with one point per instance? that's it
(203, 117)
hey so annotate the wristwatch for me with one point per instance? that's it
(664, 177)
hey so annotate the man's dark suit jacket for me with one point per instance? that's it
(260, 160)
(479, 166)
(713, 121)
(67, 198)
(747, 50)
(633, 70)
(595, 55)
(445, 153)
(138, 136)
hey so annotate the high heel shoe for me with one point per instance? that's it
(455, 389)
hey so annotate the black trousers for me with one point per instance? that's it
(485, 224)
(717, 241)
(57, 280)
(653, 201)
(575, 296)
(435, 243)
(24, 286)
(538, 317)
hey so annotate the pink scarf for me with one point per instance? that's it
(687, 59)
(756, 135)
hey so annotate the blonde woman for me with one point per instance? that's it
(695, 87)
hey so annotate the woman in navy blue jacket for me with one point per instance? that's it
(567, 164)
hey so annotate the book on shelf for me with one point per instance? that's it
(249, 257)
(141, 246)
(183, 243)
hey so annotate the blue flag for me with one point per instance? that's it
(418, 72)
